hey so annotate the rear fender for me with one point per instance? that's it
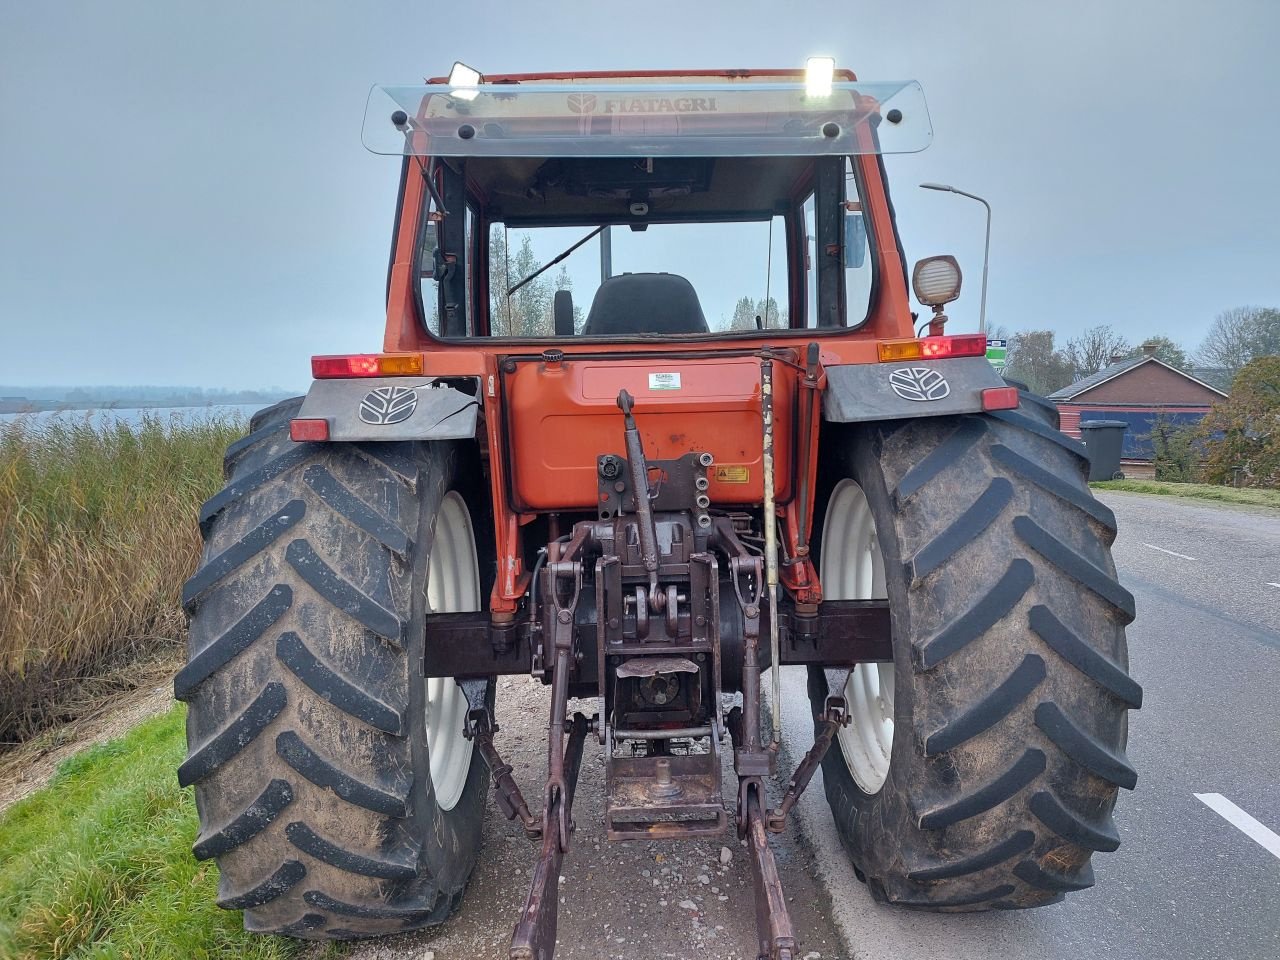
(394, 408)
(912, 388)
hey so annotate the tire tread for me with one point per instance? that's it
(1083, 748)
(218, 568)
(1084, 658)
(391, 802)
(1078, 567)
(990, 710)
(990, 609)
(343, 594)
(1030, 765)
(401, 867)
(224, 745)
(334, 688)
(285, 878)
(343, 501)
(963, 531)
(246, 825)
(233, 642)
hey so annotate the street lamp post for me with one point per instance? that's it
(986, 251)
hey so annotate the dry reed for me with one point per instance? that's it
(97, 533)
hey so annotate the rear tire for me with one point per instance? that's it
(1010, 688)
(311, 749)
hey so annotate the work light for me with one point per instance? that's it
(936, 280)
(818, 75)
(464, 80)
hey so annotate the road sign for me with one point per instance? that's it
(997, 351)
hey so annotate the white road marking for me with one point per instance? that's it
(1170, 552)
(1270, 584)
(1250, 827)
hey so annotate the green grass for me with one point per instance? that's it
(98, 864)
(1196, 491)
(97, 533)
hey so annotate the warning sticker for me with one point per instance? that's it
(664, 381)
(733, 475)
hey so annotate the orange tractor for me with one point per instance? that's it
(742, 455)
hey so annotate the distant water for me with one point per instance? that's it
(111, 415)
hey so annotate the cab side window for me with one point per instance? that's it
(444, 264)
(428, 285)
(859, 273)
(855, 242)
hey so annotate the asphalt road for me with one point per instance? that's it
(1185, 883)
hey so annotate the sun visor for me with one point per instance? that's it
(728, 117)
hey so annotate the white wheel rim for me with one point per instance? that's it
(453, 586)
(852, 568)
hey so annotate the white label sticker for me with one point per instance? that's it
(664, 381)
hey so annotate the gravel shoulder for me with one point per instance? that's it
(651, 900)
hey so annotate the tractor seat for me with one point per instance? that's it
(652, 303)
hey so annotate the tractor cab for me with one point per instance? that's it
(762, 191)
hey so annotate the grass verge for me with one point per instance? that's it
(98, 865)
(1196, 491)
(97, 534)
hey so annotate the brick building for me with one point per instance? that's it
(1136, 390)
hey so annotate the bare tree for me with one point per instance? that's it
(1165, 349)
(1034, 360)
(1240, 335)
(1094, 349)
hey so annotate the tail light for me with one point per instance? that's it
(934, 348)
(366, 365)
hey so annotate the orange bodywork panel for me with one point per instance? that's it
(563, 414)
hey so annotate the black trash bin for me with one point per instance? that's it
(1104, 439)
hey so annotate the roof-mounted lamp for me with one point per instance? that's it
(464, 80)
(819, 74)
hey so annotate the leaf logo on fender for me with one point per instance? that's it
(919, 383)
(387, 405)
(581, 102)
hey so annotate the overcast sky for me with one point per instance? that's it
(184, 197)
